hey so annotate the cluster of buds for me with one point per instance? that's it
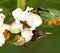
(24, 26)
(54, 22)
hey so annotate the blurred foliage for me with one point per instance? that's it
(9, 4)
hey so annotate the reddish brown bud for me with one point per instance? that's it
(34, 38)
(25, 44)
(57, 21)
(6, 34)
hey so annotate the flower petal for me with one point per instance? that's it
(2, 39)
(2, 16)
(29, 9)
(27, 34)
(15, 28)
(36, 20)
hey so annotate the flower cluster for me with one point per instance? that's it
(3, 27)
(24, 25)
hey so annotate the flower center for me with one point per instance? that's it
(25, 25)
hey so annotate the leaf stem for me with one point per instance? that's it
(21, 4)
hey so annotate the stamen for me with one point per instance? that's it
(25, 25)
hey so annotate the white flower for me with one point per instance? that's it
(15, 28)
(32, 19)
(2, 39)
(27, 34)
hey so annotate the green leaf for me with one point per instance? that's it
(7, 14)
(33, 3)
(52, 14)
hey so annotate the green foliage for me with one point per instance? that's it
(33, 3)
(52, 14)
